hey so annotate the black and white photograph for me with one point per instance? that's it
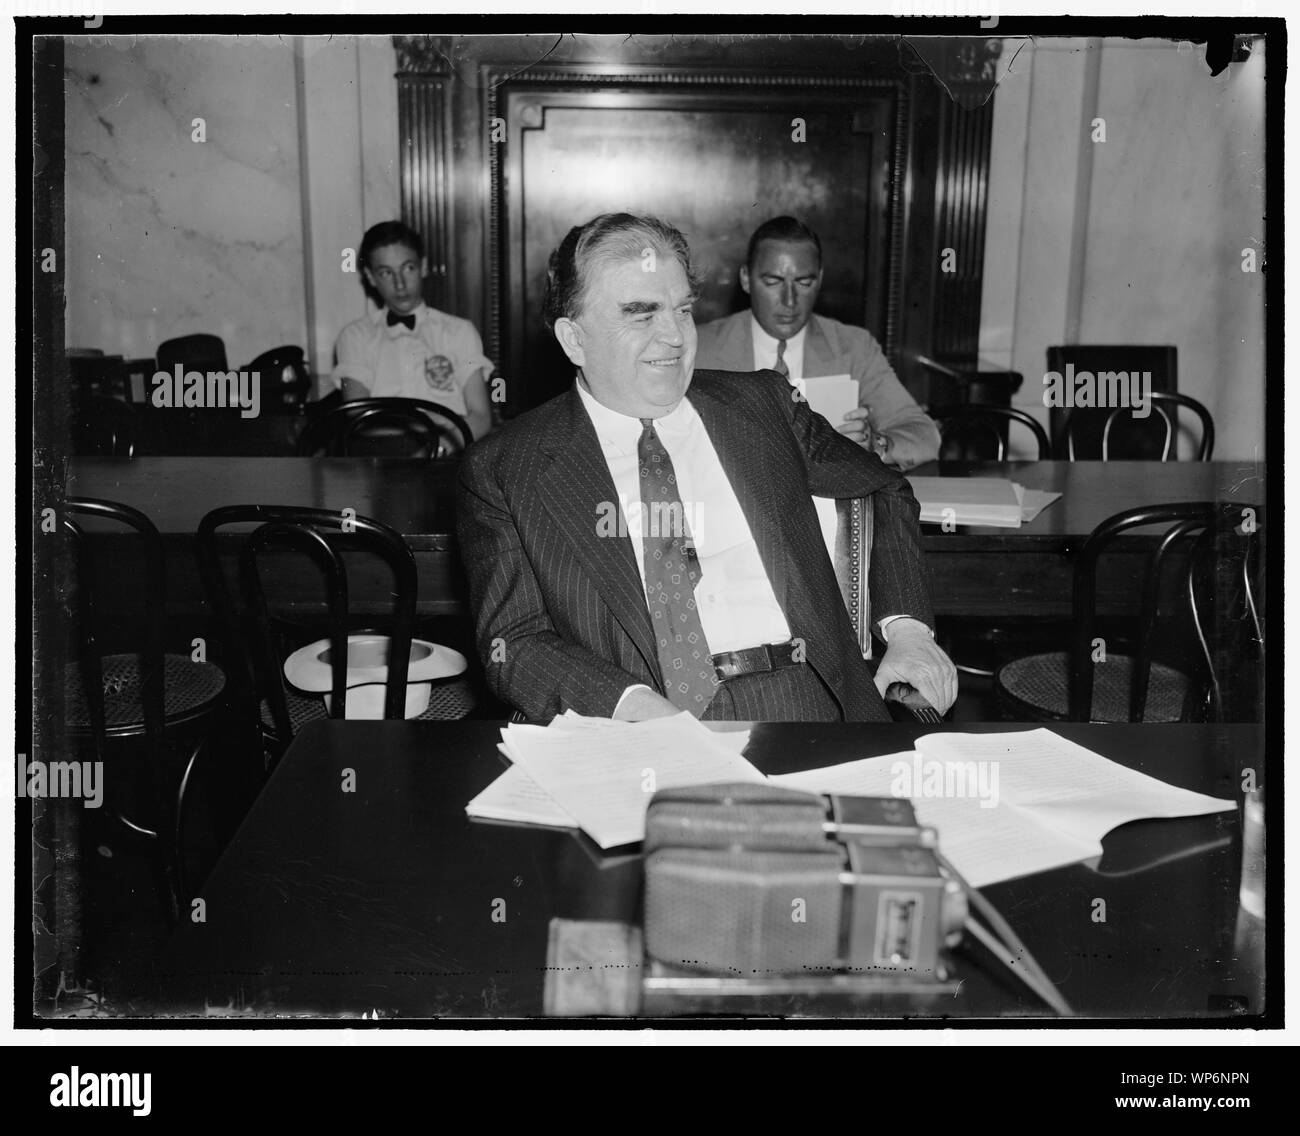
(633, 522)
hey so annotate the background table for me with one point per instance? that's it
(975, 571)
(331, 903)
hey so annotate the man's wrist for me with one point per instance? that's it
(901, 623)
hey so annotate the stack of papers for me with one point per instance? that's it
(1005, 805)
(599, 775)
(831, 396)
(994, 501)
(1009, 805)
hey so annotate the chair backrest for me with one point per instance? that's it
(152, 600)
(1161, 421)
(193, 352)
(104, 427)
(1077, 430)
(978, 432)
(1218, 538)
(322, 535)
(386, 427)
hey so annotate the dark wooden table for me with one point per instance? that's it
(337, 904)
(976, 571)
(1027, 572)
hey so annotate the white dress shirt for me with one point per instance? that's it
(734, 597)
(765, 350)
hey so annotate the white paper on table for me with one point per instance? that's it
(972, 500)
(1033, 501)
(1055, 799)
(832, 396)
(604, 776)
(517, 797)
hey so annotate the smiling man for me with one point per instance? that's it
(783, 278)
(404, 348)
(714, 592)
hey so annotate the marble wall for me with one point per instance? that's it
(241, 234)
(1136, 239)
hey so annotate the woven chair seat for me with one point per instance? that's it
(448, 700)
(189, 688)
(1042, 682)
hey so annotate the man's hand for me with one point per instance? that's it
(855, 426)
(642, 703)
(912, 656)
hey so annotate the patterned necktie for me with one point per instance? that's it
(671, 574)
(781, 368)
(408, 321)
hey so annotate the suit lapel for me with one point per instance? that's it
(737, 348)
(819, 358)
(733, 436)
(577, 491)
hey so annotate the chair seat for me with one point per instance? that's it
(447, 700)
(190, 690)
(1040, 686)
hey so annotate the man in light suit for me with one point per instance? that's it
(782, 277)
(633, 552)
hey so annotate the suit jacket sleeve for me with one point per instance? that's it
(528, 664)
(899, 577)
(913, 435)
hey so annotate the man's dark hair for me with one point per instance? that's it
(390, 233)
(603, 240)
(789, 229)
(381, 236)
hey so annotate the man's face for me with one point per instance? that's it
(635, 336)
(783, 284)
(395, 273)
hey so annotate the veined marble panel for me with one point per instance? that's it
(165, 235)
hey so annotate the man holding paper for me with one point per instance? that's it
(633, 552)
(829, 359)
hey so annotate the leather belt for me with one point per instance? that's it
(754, 660)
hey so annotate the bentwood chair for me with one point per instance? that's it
(1212, 555)
(1154, 436)
(144, 698)
(257, 644)
(978, 432)
(1077, 431)
(386, 427)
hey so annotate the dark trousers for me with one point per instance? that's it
(790, 694)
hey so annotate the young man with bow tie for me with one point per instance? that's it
(406, 349)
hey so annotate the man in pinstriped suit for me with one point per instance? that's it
(584, 600)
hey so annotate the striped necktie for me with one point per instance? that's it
(781, 368)
(671, 573)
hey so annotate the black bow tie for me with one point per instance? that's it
(409, 321)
